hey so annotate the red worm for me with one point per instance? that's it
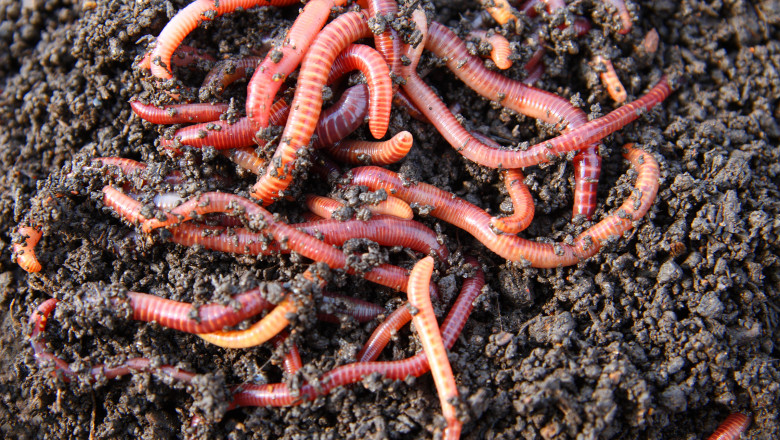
(732, 428)
(500, 10)
(325, 207)
(384, 230)
(342, 118)
(227, 72)
(332, 305)
(291, 361)
(428, 330)
(380, 88)
(373, 153)
(260, 332)
(223, 134)
(384, 332)
(307, 103)
(500, 49)
(186, 20)
(522, 203)
(280, 394)
(25, 251)
(477, 222)
(387, 41)
(280, 62)
(63, 369)
(183, 56)
(246, 158)
(587, 170)
(178, 113)
(610, 79)
(625, 17)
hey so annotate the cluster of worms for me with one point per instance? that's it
(319, 52)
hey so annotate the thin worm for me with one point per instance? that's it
(610, 79)
(291, 361)
(475, 221)
(625, 17)
(325, 207)
(374, 153)
(183, 56)
(500, 49)
(307, 103)
(280, 62)
(380, 88)
(428, 330)
(384, 230)
(332, 305)
(25, 251)
(417, 365)
(227, 72)
(342, 118)
(223, 134)
(384, 332)
(732, 428)
(186, 20)
(178, 113)
(500, 10)
(260, 332)
(522, 204)
(62, 369)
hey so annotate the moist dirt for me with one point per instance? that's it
(662, 334)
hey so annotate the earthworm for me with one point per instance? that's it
(610, 79)
(178, 113)
(499, 51)
(281, 61)
(384, 230)
(342, 118)
(246, 158)
(731, 428)
(62, 369)
(387, 41)
(417, 365)
(260, 332)
(475, 221)
(224, 134)
(227, 72)
(380, 88)
(291, 360)
(25, 251)
(183, 56)
(587, 171)
(522, 203)
(381, 335)
(428, 330)
(650, 42)
(625, 17)
(362, 311)
(500, 10)
(307, 102)
(578, 138)
(374, 153)
(325, 207)
(124, 205)
(186, 20)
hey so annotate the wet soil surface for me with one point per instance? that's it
(660, 335)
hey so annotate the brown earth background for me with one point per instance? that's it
(660, 335)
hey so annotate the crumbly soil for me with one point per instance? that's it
(661, 335)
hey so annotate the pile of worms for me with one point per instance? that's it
(327, 42)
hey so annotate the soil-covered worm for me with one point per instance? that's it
(282, 61)
(374, 153)
(325, 207)
(307, 102)
(433, 346)
(476, 221)
(187, 19)
(183, 56)
(226, 72)
(500, 50)
(415, 366)
(179, 113)
(609, 79)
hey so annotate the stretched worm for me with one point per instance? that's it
(475, 221)
(732, 428)
(25, 251)
(380, 88)
(183, 56)
(342, 118)
(384, 332)
(280, 62)
(178, 113)
(332, 305)
(325, 207)
(428, 330)
(186, 20)
(610, 79)
(375, 153)
(307, 102)
(260, 332)
(417, 365)
(227, 72)
(62, 369)
(500, 49)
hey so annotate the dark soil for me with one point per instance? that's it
(660, 335)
